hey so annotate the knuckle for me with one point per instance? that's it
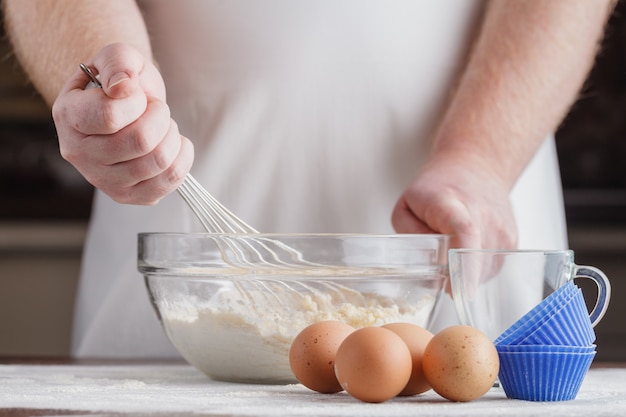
(135, 171)
(121, 198)
(122, 195)
(72, 153)
(142, 143)
(179, 169)
(58, 111)
(176, 174)
(68, 154)
(161, 159)
(97, 180)
(510, 239)
(111, 117)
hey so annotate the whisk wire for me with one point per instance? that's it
(252, 251)
(212, 214)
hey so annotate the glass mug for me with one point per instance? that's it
(492, 289)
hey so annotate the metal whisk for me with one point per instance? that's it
(212, 214)
(255, 251)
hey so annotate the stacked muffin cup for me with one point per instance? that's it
(545, 355)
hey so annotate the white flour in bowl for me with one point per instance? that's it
(228, 339)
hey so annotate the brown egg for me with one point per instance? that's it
(312, 355)
(461, 363)
(373, 364)
(416, 338)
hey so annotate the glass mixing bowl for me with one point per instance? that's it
(232, 304)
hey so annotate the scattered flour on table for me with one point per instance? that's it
(133, 389)
(229, 339)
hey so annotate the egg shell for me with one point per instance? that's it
(312, 355)
(373, 364)
(416, 339)
(461, 363)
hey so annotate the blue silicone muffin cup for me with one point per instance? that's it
(528, 323)
(543, 376)
(568, 325)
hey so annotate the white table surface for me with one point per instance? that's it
(178, 389)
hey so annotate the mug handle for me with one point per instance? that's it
(604, 290)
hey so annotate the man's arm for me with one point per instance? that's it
(51, 37)
(528, 63)
(121, 138)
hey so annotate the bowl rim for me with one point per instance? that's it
(437, 236)
(436, 243)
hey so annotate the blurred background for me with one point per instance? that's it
(45, 204)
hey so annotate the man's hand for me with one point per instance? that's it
(121, 138)
(467, 202)
(527, 65)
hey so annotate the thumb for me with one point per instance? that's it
(118, 67)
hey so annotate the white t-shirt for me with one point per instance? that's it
(306, 116)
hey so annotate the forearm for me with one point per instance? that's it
(527, 67)
(51, 37)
